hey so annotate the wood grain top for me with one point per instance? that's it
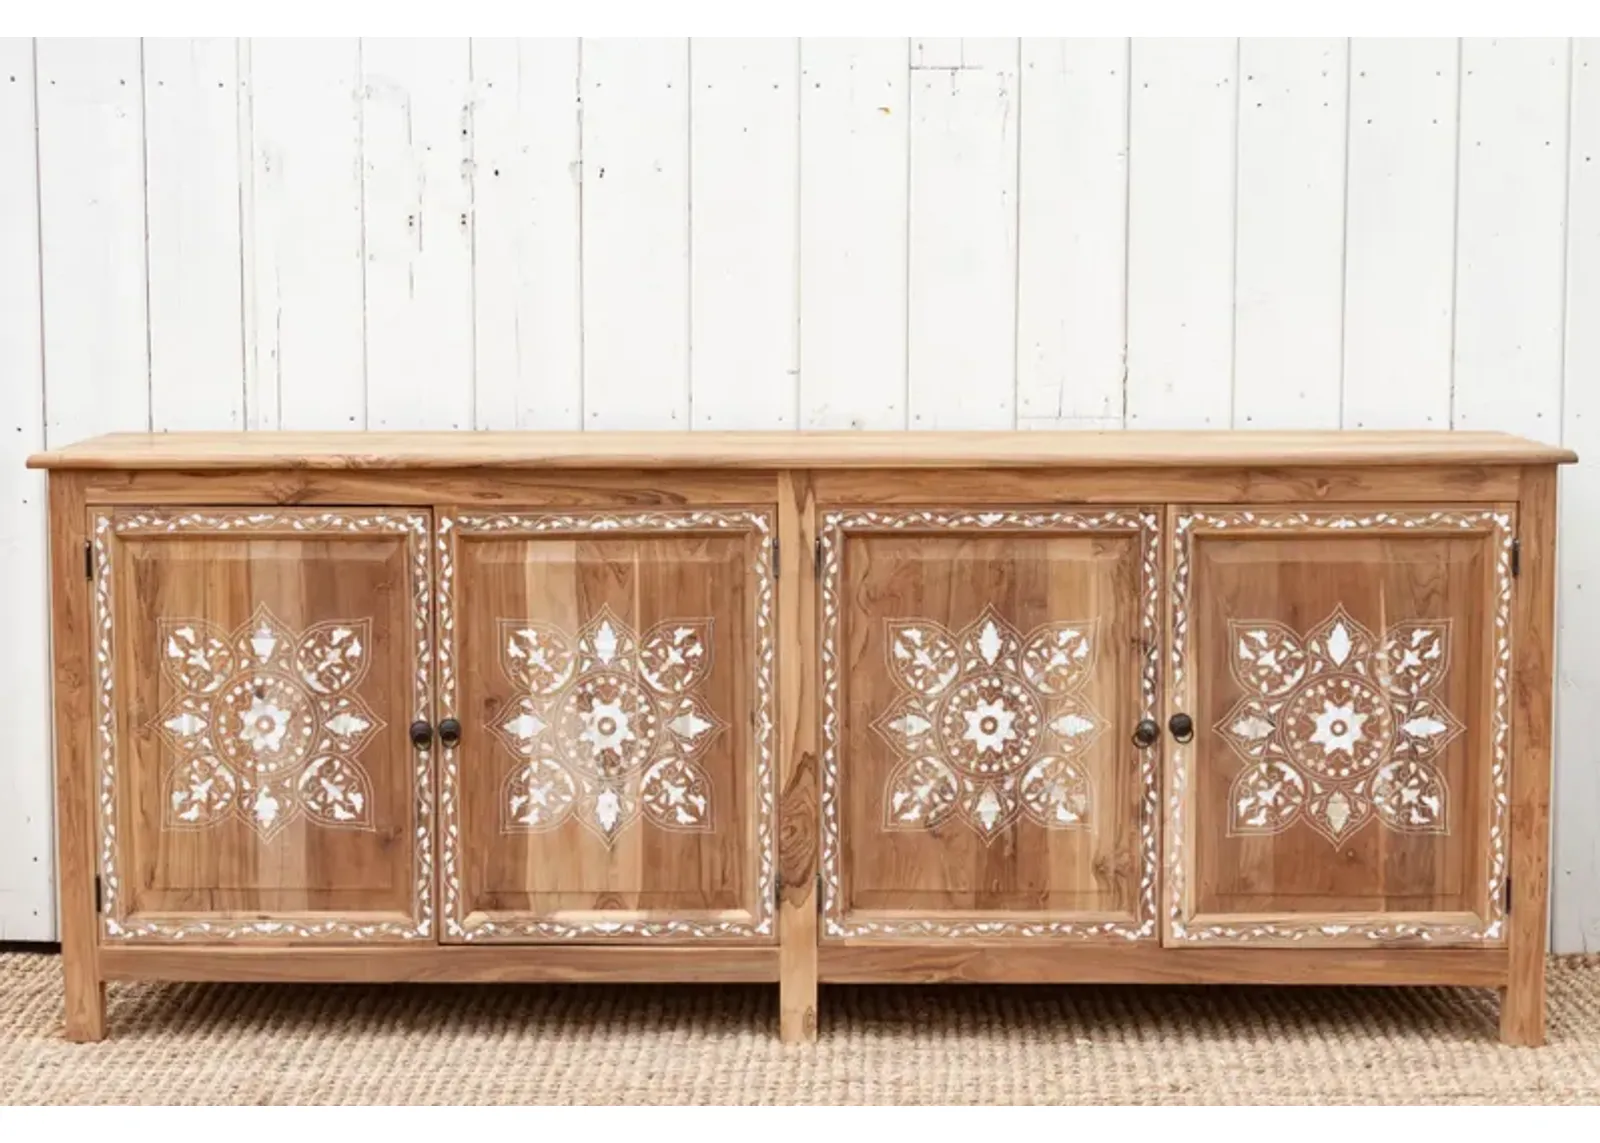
(767, 450)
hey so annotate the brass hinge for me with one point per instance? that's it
(99, 898)
(88, 560)
(777, 564)
(1516, 558)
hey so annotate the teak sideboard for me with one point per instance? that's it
(1099, 707)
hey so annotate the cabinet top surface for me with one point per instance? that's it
(756, 450)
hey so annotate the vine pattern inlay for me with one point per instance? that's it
(456, 921)
(836, 526)
(1498, 524)
(411, 525)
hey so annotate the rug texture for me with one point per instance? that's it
(961, 1044)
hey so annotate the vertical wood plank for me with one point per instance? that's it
(1289, 294)
(962, 316)
(74, 777)
(306, 359)
(417, 212)
(745, 179)
(1072, 233)
(854, 132)
(27, 886)
(799, 805)
(527, 281)
(1400, 234)
(636, 234)
(1575, 908)
(1180, 245)
(92, 219)
(191, 107)
(1510, 245)
(1522, 1007)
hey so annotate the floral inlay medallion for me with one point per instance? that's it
(989, 724)
(266, 723)
(606, 725)
(1339, 726)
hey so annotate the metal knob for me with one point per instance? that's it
(421, 734)
(1182, 727)
(450, 732)
(1146, 733)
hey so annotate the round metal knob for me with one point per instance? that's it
(421, 734)
(1182, 727)
(1146, 733)
(450, 732)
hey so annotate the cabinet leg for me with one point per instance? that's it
(797, 974)
(74, 699)
(1527, 920)
(86, 1006)
(799, 804)
(1522, 1011)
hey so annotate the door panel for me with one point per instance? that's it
(258, 671)
(1347, 679)
(612, 675)
(982, 675)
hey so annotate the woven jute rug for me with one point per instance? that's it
(962, 1044)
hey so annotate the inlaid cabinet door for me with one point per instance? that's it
(257, 672)
(985, 675)
(1339, 763)
(612, 676)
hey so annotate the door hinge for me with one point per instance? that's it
(816, 557)
(99, 898)
(777, 564)
(88, 560)
(1516, 558)
(1508, 897)
(818, 894)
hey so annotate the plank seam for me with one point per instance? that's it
(1455, 240)
(361, 211)
(1344, 224)
(144, 182)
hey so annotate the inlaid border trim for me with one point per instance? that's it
(1499, 524)
(413, 525)
(836, 525)
(453, 912)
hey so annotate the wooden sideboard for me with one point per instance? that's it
(1096, 707)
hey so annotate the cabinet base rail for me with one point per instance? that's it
(854, 963)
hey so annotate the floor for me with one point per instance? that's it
(272, 1044)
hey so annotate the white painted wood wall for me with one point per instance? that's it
(780, 234)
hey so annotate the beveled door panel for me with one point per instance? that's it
(1346, 675)
(984, 674)
(257, 673)
(612, 674)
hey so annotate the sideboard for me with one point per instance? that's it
(1249, 707)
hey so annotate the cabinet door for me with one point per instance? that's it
(612, 675)
(257, 674)
(1346, 675)
(983, 676)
